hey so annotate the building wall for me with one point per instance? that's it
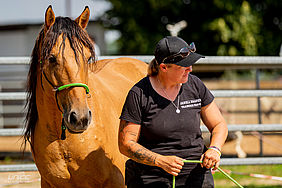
(13, 43)
(20, 40)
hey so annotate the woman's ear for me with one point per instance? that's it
(163, 67)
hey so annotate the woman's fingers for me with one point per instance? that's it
(175, 171)
(180, 162)
(176, 166)
(216, 166)
(208, 163)
(171, 164)
(210, 159)
(202, 157)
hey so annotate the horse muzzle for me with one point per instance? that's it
(78, 122)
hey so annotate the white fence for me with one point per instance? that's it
(214, 63)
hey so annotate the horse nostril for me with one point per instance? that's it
(73, 118)
(89, 115)
(80, 121)
(84, 122)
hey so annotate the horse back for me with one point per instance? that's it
(132, 69)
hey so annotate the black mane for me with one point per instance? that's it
(77, 37)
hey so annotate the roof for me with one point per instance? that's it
(19, 12)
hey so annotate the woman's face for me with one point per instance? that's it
(178, 74)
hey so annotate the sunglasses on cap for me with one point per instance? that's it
(183, 52)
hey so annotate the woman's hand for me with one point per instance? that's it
(171, 164)
(210, 159)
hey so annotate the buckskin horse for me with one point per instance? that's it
(73, 106)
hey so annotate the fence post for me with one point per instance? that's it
(1, 112)
(259, 111)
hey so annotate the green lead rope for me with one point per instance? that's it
(224, 173)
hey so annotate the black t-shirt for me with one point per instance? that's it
(162, 129)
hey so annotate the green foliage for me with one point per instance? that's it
(218, 27)
(237, 29)
(7, 159)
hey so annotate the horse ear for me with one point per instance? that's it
(49, 17)
(83, 19)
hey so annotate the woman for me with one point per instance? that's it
(160, 122)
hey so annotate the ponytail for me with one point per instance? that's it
(153, 69)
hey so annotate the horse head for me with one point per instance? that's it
(65, 54)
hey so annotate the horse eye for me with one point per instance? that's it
(52, 59)
(91, 60)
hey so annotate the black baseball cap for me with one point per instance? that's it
(171, 45)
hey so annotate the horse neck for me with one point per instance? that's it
(105, 117)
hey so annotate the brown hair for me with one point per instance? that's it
(153, 69)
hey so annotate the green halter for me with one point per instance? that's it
(73, 85)
(57, 90)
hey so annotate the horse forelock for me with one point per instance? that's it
(70, 30)
(44, 43)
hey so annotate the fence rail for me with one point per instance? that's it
(242, 127)
(216, 62)
(216, 93)
(238, 60)
(223, 161)
(250, 128)
(213, 63)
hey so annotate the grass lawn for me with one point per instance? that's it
(247, 181)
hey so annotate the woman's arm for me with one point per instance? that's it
(127, 141)
(216, 124)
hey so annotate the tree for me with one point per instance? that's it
(237, 32)
(218, 27)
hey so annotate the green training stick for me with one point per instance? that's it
(224, 173)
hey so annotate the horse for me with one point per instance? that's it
(73, 106)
